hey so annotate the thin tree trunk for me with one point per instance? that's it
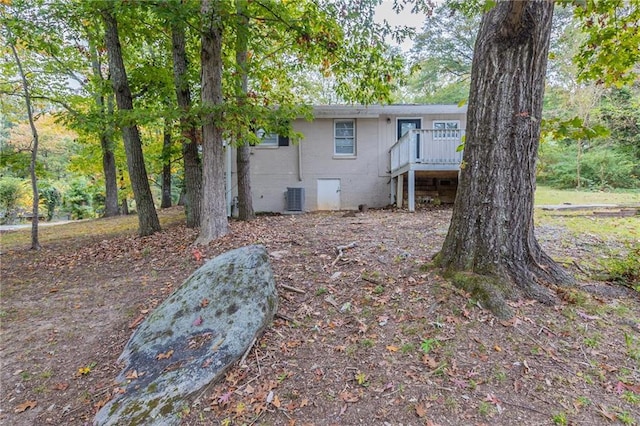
(214, 212)
(148, 222)
(166, 167)
(491, 249)
(106, 142)
(243, 152)
(35, 243)
(190, 155)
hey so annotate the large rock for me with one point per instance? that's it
(192, 337)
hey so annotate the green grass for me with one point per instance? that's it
(549, 196)
(119, 225)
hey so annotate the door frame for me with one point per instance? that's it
(418, 121)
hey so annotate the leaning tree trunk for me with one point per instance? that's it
(490, 249)
(214, 222)
(243, 153)
(35, 243)
(148, 222)
(190, 155)
(106, 140)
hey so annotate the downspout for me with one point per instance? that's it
(300, 177)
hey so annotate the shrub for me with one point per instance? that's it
(11, 190)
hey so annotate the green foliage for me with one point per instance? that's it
(81, 199)
(10, 191)
(51, 197)
(610, 52)
(602, 167)
(625, 269)
(427, 345)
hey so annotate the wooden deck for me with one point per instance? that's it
(422, 154)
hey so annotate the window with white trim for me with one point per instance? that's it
(267, 139)
(446, 129)
(344, 133)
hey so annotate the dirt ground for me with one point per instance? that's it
(370, 337)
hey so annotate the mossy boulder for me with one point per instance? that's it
(192, 338)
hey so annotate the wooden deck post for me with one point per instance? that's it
(411, 176)
(399, 191)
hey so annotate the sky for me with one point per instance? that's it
(385, 11)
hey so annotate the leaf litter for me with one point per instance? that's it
(365, 333)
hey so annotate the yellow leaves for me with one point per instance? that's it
(165, 355)
(20, 408)
(392, 348)
(497, 348)
(83, 371)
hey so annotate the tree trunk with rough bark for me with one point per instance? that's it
(191, 157)
(166, 167)
(148, 222)
(106, 143)
(490, 249)
(243, 152)
(214, 223)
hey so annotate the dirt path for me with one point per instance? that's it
(374, 338)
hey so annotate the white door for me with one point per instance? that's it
(328, 194)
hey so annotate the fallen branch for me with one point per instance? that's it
(293, 289)
(244, 357)
(340, 250)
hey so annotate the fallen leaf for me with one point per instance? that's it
(53, 290)
(429, 361)
(83, 371)
(392, 348)
(276, 402)
(304, 403)
(25, 406)
(98, 405)
(197, 254)
(204, 303)
(132, 375)
(497, 348)
(421, 410)
(197, 321)
(225, 398)
(62, 386)
(349, 397)
(165, 355)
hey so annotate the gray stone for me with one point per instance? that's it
(193, 337)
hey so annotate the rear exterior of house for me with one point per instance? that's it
(353, 155)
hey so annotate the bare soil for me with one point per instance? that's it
(371, 336)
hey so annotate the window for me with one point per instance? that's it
(267, 139)
(344, 137)
(446, 129)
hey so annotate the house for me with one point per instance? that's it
(350, 155)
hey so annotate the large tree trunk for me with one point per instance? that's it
(490, 249)
(166, 167)
(192, 164)
(243, 153)
(148, 222)
(35, 243)
(106, 142)
(214, 222)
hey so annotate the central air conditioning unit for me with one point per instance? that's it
(295, 199)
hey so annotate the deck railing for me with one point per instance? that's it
(428, 147)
